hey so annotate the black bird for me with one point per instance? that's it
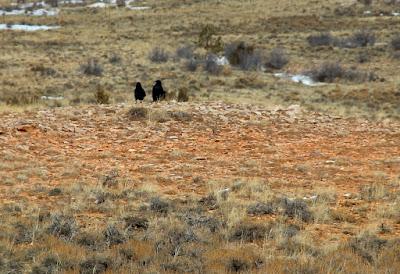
(158, 91)
(139, 92)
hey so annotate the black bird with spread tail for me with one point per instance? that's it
(158, 91)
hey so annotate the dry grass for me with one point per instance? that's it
(197, 186)
(131, 35)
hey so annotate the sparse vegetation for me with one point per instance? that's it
(322, 39)
(252, 174)
(185, 52)
(331, 72)
(209, 40)
(92, 68)
(211, 65)
(277, 59)
(192, 64)
(395, 43)
(183, 95)
(158, 55)
(138, 113)
(101, 96)
(244, 56)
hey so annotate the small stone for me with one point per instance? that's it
(200, 158)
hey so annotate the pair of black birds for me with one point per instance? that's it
(158, 92)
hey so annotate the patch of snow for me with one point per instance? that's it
(299, 78)
(11, 12)
(31, 5)
(137, 8)
(26, 27)
(73, 2)
(45, 12)
(99, 5)
(313, 198)
(37, 12)
(222, 61)
(52, 97)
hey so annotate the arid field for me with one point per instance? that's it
(277, 149)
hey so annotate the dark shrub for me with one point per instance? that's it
(362, 38)
(127, 253)
(110, 179)
(185, 52)
(209, 202)
(87, 240)
(100, 197)
(52, 3)
(92, 68)
(183, 95)
(363, 57)
(237, 265)
(291, 230)
(50, 264)
(101, 96)
(211, 65)
(209, 40)
(322, 39)
(23, 234)
(181, 236)
(395, 43)
(250, 232)
(136, 223)
(158, 55)
(174, 239)
(44, 71)
(115, 58)
(330, 72)
(234, 52)
(95, 266)
(367, 246)
(121, 3)
(112, 236)
(196, 220)
(327, 72)
(182, 265)
(244, 56)
(138, 113)
(55, 192)
(63, 227)
(23, 97)
(365, 2)
(158, 205)
(252, 62)
(192, 64)
(296, 209)
(261, 209)
(277, 59)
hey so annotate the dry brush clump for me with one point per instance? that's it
(92, 68)
(277, 59)
(159, 55)
(211, 64)
(244, 56)
(186, 236)
(359, 39)
(331, 72)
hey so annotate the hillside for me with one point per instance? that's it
(99, 181)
